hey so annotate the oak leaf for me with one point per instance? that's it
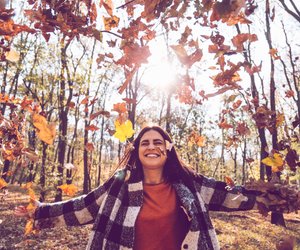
(45, 131)
(123, 130)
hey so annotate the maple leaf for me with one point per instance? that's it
(68, 189)
(275, 161)
(3, 183)
(120, 107)
(123, 130)
(239, 39)
(45, 132)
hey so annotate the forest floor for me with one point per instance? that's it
(236, 230)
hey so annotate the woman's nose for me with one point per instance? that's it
(151, 146)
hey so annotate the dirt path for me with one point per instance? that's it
(239, 230)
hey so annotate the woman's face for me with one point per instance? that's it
(152, 150)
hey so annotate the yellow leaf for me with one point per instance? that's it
(123, 130)
(29, 227)
(46, 132)
(279, 119)
(3, 183)
(12, 55)
(68, 189)
(276, 162)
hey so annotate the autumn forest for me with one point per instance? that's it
(79, 78)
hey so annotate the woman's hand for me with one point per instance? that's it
(21, 211)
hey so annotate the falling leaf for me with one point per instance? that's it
(224, 125)
(108, 5)
(111, 22)
(85, 100)
(12, 55)
(91, 127)
(3, 183)
(123, 130)
(279, 119)
(274, 53)
(45, 132)
(68, 189)
(229, 181)
(102, 112)
(243, 129)
(289, 93)
(89, 146)
(29, 227)
(120, 107)
(275, 161)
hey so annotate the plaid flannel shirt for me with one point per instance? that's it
(114, 207)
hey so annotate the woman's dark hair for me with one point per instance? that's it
(174, 170)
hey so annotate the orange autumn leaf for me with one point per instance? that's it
(279, 119)
(85, 100)
(3, 183)
(68, 189)
(275, 161)
(274, 53)
(239, 40)
(224, 125)
(45, 131)
(29, 227)
(108, 5)
(229, 181)
(111, 22)
(91, 128)
(120, 107)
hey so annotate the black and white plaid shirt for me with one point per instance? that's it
(114, 207)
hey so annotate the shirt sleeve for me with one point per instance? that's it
(218, 198)
(78, 211)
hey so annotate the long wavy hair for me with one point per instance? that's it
(174, 170)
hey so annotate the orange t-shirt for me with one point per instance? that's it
(161, 223)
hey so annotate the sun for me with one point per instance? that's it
(159, 72)
(159, 75)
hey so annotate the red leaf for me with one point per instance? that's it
(92, 128)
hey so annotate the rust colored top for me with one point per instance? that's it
(161, 223)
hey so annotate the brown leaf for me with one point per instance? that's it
(89, 146)
(101, 112)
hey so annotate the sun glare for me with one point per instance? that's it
(159, 75)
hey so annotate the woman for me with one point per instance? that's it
(153, 202)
